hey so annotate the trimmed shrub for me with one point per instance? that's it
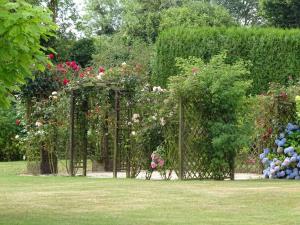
(273, 53)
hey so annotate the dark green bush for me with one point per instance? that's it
(274, 53)
(9, 149)
(82, 51)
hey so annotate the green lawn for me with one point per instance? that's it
(79, 200)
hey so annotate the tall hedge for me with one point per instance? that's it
(274, 53)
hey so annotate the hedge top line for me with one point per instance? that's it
(273, 52)
(244, 30)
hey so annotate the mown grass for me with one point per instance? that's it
(79, 200)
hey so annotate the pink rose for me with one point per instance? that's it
(161, 162)
(153, 165)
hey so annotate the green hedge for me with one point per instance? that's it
(274, 53)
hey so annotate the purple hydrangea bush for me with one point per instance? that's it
(283, 160)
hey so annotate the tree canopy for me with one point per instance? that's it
(246, 12)
(282, 13)
(22, 27)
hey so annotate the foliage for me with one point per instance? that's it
(52, 79)
(195, 14)
(113, 51)
(22, 28)
(46, 127)
(245, 12)
(217, 92)
(141, 19)
(64, 14)
(272, 52)
(269, 114)
(274, 110)
(282, 13)
(10, 128)
(102, 17)
(82, 51)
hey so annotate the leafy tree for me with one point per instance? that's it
(64, 14)
(246, 12)
(22, 26)
(282, 13)
(102, 16)
(82, 51)
(113, 50)
(141, 18)
(196, 14)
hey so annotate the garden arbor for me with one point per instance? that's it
(188, 150)
(114, 108)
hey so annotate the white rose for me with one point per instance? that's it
(38, 124)
(162, 121)
(100, 75)
(153, 117)
(135, 118)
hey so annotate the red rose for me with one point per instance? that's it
(68, 63)
(66, 81)
(76, 68)
(73, 63)
(18, 122)
(101, 69)
(51, 56)
(81, 75)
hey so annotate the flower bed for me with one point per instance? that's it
(283, 160)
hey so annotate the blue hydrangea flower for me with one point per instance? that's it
(266, 173)
(266, 151)
(281, 143)
(281, 174)
(288, 171)
(262, 155)
(281, 135)
(291, 127)
(292, 175)
(289, 150)
(265, 161)
(293, 159)
(286, 162)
